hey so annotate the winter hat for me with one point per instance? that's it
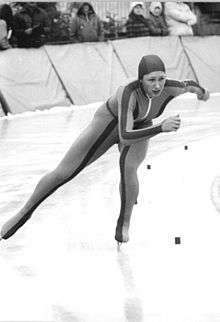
(155, 5)
(136, 3)
(149, 64)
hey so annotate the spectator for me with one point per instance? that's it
(31, 25)
(86, 26)
(51, 10)
(16, 7)
(7, 15)
(64, 24)
(6, 25)
(73, 13)
(110, 26)
(179, 18)
(4, 44)
(157, 23)
(55, 21)
(208, 18)
(137, 24)
(73, 8)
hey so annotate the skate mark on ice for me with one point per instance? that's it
(215, 193)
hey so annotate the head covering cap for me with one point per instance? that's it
(136, 3)
(154, 5)
(149, 64)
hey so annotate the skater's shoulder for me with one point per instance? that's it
(130, 85)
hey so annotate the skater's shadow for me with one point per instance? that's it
(4, 127)
(132, 304)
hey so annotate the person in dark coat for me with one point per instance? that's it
(157, 23)
(86, 26)
(137, 25)
(7, 15)
(31, 26)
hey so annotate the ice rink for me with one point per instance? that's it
(64, 265)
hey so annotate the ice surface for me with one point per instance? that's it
(63, 265)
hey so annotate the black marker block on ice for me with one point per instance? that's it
(177, 240)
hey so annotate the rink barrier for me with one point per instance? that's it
(58, 75)
(190, 63)
(89, 72)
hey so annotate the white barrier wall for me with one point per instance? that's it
(28, 80)
(89, 72)
(204, 54)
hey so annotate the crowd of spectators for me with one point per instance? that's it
(32, 24)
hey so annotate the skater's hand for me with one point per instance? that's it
(203, 96)
(171, 124)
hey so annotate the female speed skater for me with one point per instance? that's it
(125, 119)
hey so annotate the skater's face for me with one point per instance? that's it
(153, 83)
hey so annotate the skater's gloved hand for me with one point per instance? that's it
(204, 96)
(171, 124)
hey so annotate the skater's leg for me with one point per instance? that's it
(130, 159)
(120, 147)
(92, 143)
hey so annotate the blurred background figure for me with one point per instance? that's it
(31, 25)
(65, 26)
(157, 22)
(208, 18)
(137, 24)
(179, 18)
(59, 23)
(86, 26)
(6, 26)
(54, 18)
(4, 43)
(110, 26)
(73, 9)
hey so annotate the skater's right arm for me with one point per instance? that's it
(126, 107)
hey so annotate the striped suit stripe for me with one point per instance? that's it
(123, 194)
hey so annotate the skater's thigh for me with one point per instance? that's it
(108, 142)
(86, 145)
(136, 153)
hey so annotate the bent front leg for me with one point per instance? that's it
(130, 159)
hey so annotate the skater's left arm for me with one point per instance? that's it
(177, 88)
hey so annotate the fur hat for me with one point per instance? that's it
(154, 5)
(136, 3)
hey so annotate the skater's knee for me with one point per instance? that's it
(60, 175)
(131, 169)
